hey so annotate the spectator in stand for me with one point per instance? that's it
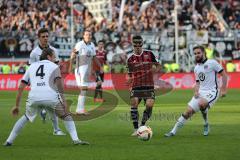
(6, 69)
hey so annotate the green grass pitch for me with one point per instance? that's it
(110, 138)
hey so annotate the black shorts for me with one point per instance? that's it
(145, 92)
(99, 76)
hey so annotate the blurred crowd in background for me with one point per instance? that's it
(23, 18)
(30, 15)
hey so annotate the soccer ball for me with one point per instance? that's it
(144, 133)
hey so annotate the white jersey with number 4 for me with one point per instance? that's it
(206, 74)
(41, 77)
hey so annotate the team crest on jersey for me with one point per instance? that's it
(201, 76)
(146, 57)
(206, 67)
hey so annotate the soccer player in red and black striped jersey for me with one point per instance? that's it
(101, 56)
(141, 66)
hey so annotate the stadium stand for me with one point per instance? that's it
(20, 20)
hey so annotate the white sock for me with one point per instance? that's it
(205, 116)
(17, 128)
(81, 101)
(55, 122)
(71, 128)
(180, 122)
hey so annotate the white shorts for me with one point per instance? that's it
(82, 75)
(33, 108)
(211, 96)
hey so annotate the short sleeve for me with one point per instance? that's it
(154, 58)
(77, 47)
(56, 73)
(217, 67)
(26, 77)
(56, 54)
(130, 65)
(32, 58)
(94, 49)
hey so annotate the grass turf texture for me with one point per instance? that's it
(110, 138)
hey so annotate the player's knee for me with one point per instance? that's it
(150, 102)
(62, 114)
(203, 104)
(134, 102)
(190, 111)
(99, 83)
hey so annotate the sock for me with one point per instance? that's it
(17, 128)
(55, 122)
(96, 92)
(146, 115)
(81, 101)
(100, 92)
(205, 116)
(180, 122)
(71, 128)
(134, 116)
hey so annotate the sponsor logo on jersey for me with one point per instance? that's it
(201, 76)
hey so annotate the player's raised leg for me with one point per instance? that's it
(195, 105)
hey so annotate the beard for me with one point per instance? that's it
(199, 60)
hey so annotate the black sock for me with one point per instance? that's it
(146, 115)
(97, 91)
(134, 116)
(100, 91)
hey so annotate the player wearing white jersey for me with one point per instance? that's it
(83, 53)
(206, 90)
(35, 57)
(46, 92)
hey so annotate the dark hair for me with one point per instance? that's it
(42, 30)
(199, 47)
(87, 30)
(137, 38)
(45, 53)
(137, 41)
(101, 41)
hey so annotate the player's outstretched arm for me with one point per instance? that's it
(15, 109)
(223, 90)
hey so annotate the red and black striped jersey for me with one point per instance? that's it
(101, 56)
(140, 68)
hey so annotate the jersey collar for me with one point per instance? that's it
(87, 43)
(41, 46)
(205, 60)
(138, 54)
